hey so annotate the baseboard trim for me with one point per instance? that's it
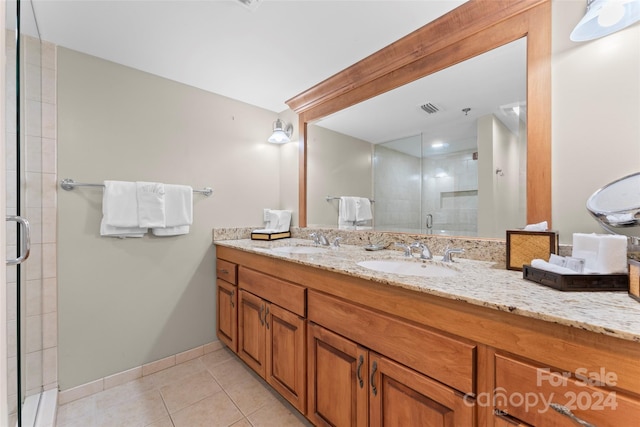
(120, 378)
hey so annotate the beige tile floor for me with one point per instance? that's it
(216, 389)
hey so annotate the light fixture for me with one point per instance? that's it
(604, 17)
(281, 132)
(438, 145)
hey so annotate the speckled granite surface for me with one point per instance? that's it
(483, 282)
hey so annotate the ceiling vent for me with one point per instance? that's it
(430, 108)
(250, 4)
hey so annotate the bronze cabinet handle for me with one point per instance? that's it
(359, 370)
(265, 317)
(374, 389)
(260, 315)
(233, 294)
(567, 412)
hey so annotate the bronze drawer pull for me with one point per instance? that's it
(359, 370)
(260, 314)
(567, 412)
(372, 378)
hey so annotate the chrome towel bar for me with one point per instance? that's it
(69, 184)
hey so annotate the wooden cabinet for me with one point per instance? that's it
(271, 338)
(324, 340)
(352, 386)
(227, 304)
(338, 388)
(536, 395)
(252, 336)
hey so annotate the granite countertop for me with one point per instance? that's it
(482, 283)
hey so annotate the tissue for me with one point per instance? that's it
(541, 226)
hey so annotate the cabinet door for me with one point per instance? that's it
(251, 331)
(286, 349)
(227, 314)
(337, 380)
(543, 398)
(399, 396)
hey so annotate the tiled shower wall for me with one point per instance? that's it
(396, 183)
(39, 295)
(450, 192)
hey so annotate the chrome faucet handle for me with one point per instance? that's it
(315, 238)
(336, 242)
(319, 239)
(447, 254)
(407, 248)
(425, 252)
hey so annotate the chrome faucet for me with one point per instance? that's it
(425, 253)
(447, 254)
(336, 242)
(407, 249)
(319, 239)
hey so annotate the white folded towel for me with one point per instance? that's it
(363, 209)
(347, 209)
(120, 204)
(603, 253)
(544, 265)
(151, 205)
(178, 209)
(122, 232)
(280, 220)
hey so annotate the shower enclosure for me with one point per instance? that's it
(30, 227)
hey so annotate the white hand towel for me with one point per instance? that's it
(603, 253)
(107, 230)
(586, 246)
(363, 209)
(544, 265)
(281, 220)
(347, 213)
(178, 208)
(612, 254)
(151, 206)
(120, 204)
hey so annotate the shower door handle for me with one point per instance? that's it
(26, 239)
(429, 222)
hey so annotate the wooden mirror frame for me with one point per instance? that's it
(473, 28)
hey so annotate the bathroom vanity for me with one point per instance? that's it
(351, 346)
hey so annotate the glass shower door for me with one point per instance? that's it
(24, 276)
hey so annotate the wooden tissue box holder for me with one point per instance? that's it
(525, 246)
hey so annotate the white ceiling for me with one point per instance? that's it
(262, 57)
(266, 55)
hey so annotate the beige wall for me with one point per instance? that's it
(127, 302)
(337, 165)
(595, 114)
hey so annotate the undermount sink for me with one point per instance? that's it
(298, 250)
(409, 268)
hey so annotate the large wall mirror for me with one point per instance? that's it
(446, 153)
(498, 190)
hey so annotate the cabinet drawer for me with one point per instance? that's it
(449, 360)
(285, 294)
(227, 271)
(529, 393)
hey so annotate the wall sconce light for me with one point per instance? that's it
(604, 17)
(281, 132)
